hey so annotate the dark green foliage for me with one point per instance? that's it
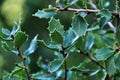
(97, 41)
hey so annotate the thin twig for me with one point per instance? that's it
(92, 59)
(25, 66)
(65, 62)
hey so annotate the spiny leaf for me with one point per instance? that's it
(44, 14)
(54, 24)
(19, 39)
(32, 47)
(79, 25)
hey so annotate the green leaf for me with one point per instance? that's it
(69, 38)
(106, 13)
(28, 60)
(44, 14)
(56, 37)
(89, 42)
(117, 60)
(80, 43)
(103, 54)
(41, 76)
(15, 71)
(79, 25)
(32, 47)
(5, 46)
(118, 34)
(71, 2)
(5, 31)
(54, 24)
(103, 21)
(19, 39)
(16, 27)
(110, 66)
(50, 46)
(55, 65)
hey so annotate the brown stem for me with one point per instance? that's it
(65, 62)
(92, 59)
(25, 66)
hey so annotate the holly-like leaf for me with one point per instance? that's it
(89, 42)
(79, 25)
(110, 66)
(54, 24)
(69, 37)
(44, 14)
(103, 54)
(55, 65)
(19, 39)
(5, 31)
(56, 37)
(32, 47)
(118, 34)
(117, 60)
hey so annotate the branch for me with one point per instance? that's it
(65, 63)
(92, 59)
(25, 66)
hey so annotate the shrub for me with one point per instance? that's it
(95, 41)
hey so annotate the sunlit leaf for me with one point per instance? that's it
(32, 47)
(44, 14)
(5, 31)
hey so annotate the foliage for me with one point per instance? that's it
(97, 42)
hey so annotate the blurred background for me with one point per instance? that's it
(12, 10)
